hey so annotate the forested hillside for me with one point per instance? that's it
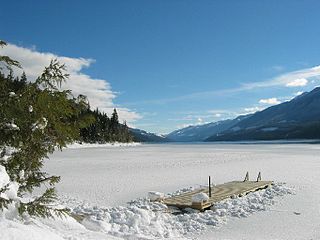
(105, 129)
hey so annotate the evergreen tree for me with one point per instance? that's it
(23, 77)
(115, 118)
(35, 119)
(106, 129)
(114, 125)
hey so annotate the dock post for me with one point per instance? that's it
(246, 177)
(209, 186)
(259, 177)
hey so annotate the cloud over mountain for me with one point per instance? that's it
(271, 101)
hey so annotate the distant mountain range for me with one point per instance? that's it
(200, 133)
(295, 119)
(143, 136)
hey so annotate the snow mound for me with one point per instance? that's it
(4, 177)
(8, 191)
(48, 229)
(144, 219)
(200, 197)
(154, 196)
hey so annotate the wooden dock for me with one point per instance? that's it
(218, 193)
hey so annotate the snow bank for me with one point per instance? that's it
(140, 219)
(11, 187)
(9, 191)
(16, 230)
(144, 219)
(48, 229)
(14, 226)
(4, 177)
(102, 145)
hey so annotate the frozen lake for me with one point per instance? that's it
(114, 176)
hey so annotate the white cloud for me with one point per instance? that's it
(98, 91)
(250, 110)
(222, 113)
(300, 82)
(270, 101)
(291, 79)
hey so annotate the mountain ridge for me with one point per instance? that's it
(293, 119)
(199, 133)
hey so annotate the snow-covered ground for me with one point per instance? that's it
(103, 145)
(98, 183)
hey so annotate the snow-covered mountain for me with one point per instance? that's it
(200, 133)
(295, 119)
(143, 136)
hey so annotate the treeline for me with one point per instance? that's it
(15, 83)
(102, 129)
(105, 129)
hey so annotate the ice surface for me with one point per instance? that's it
(113, 176)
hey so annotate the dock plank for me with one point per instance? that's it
(219, 193)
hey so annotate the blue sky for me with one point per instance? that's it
(174, 63)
